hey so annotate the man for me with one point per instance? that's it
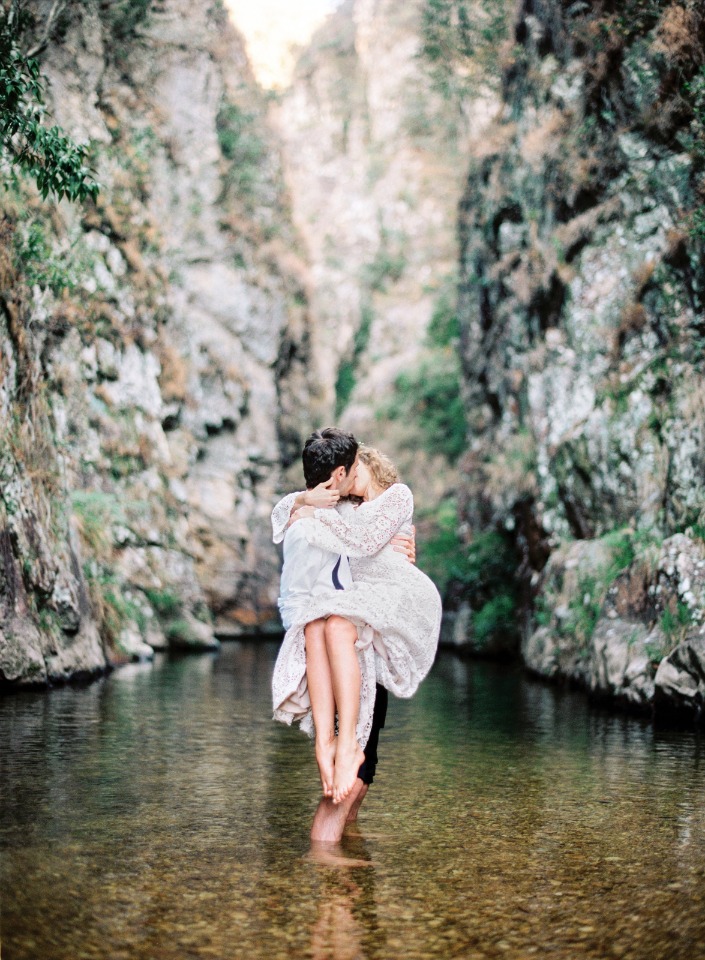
(329, 461)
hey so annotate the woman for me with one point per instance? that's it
(394, 608)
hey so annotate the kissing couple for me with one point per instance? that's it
(361, 619)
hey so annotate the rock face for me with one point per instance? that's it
(581, 306)
(153, 354)
(375, 161)
(612, 610)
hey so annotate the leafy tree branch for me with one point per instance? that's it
(54, 160)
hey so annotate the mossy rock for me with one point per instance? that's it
(189, 634)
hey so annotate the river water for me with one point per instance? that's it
(159, 814)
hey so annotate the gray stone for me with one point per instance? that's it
(619, 667)
(21, 658)
(191, 635)
(680, 678)
(132, 645)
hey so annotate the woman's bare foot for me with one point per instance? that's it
(348, 759)
(325, 758)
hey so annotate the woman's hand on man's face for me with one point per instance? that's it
(406, 545)
(321, 496)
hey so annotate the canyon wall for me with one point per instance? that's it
(476, 242)
(581, 301)
(154, 352)
(375, 159)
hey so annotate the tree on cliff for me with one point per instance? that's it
(57, 163)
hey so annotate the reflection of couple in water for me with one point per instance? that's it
(346, 925)
(360, 618)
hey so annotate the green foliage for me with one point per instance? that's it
(124, 464)
(585, 606)
(389, 264)
(695, 224)
(694, 91)
(119, 610)
(635, 18)
(693, 140)
(444, 329)
(460, 40)
(42, 266)
(241, 145)
(481, 572)
(48, 620)
(124, 16)
(180, 630)
(542, 612)
(441, 554)
(675, 622)
(496, 618)
(96, 513)
(165, 602)
(696, 531)
(347, 371)
(55, 162)
(623, 552)
(113, 606)
(429, 397)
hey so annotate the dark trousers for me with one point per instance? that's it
(366, 773)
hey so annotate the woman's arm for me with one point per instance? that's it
(365, 531)
(282, 513)
(320, 496)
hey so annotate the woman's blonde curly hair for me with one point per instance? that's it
(383, 471)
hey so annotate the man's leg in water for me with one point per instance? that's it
(330, 819)
(367, 771)
(341, 636)
(355, 808)
(320, 690)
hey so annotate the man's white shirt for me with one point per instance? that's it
(308, 571)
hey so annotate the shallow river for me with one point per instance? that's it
(159, 814)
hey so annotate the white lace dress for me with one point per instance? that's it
(396, 607)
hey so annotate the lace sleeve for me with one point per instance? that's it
(366, 530)
(280, 516)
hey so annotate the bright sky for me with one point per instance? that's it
(273, 29)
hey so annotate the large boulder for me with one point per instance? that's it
(622, 617)
(680, 679)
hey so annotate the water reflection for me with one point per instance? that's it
(160, 814)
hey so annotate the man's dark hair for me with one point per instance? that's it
(324, 451)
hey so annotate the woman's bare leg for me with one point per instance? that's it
(320, 690)
(341, 636)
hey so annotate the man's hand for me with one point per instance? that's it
(406, 545)
(300, 514)
(320, 496)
